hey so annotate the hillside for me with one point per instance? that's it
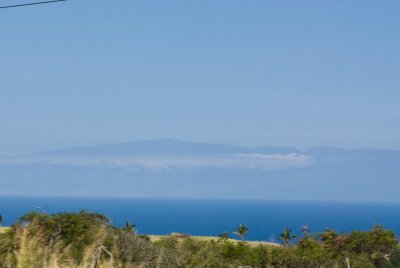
(89, 240)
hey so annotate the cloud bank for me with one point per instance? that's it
(173, 162)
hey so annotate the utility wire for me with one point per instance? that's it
(31, 4)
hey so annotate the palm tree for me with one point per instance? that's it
(129, 227)
(286, 236)
(1, 220)
(223, 237)
(242, 231)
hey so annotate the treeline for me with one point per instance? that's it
(89, 240)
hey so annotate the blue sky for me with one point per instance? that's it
(298, 73)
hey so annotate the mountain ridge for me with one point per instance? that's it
(184, 169)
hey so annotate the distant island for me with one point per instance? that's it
(180, 169)
(87, 239)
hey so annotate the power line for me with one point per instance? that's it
(31, 4)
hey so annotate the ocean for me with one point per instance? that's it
(266, 219)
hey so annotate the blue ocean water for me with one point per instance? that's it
(266, 219)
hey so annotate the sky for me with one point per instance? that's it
(294, 73)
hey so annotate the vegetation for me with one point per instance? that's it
(129, 227)
(223, 237)
(242, 231)
(286, 236)
(89, 240)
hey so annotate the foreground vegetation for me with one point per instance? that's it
(89, 240)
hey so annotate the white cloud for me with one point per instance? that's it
(174, 162)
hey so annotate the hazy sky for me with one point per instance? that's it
(299, 73)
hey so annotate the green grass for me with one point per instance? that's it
(3, 229)
(155, 238)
